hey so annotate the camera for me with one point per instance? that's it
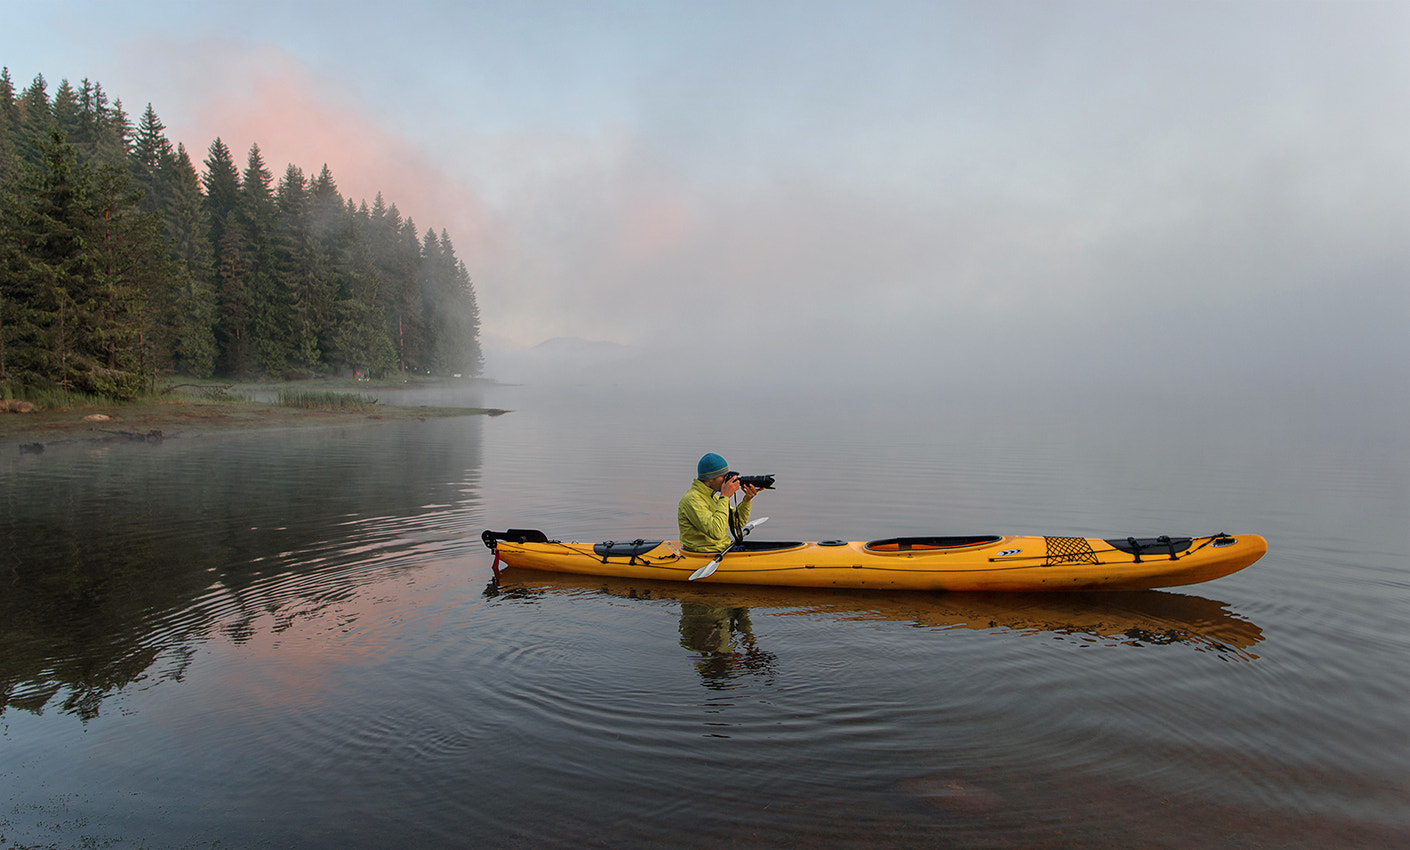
(763, 482)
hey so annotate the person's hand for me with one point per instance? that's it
(730, 487)
(750, 491)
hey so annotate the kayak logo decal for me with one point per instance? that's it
(1008, 552)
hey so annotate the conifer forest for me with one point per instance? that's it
(122, 264)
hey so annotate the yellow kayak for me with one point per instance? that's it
(975, 563)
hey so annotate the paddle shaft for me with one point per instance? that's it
(714, 564)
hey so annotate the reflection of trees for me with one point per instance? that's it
(724, 638)
(119, 559)
(77, 596)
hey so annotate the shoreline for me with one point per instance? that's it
(155, 421)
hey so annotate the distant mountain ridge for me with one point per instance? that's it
(576, 346)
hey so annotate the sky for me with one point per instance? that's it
(915, 194)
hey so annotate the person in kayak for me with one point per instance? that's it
(705, 516)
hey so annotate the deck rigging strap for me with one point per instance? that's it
(1212, 539)
(1162, 545)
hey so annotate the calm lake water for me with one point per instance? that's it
(292, 638)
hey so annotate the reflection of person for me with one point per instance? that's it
(710, 629)
(706, 519)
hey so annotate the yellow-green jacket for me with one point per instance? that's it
(705, 521)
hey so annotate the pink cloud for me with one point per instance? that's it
(652, 227)
(271, 99)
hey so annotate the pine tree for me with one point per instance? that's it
(9, 117)
(69, 314)
(434, 285)
(150, 159)
(187, 223)
(8, 110)
(395, 254)
(92, 115)
(326, 205)
(451, 315)
(357, 338)
(300, 268)
(33, 121)
(231, 246)
(406, 300)
(68, 117)
(334, 270)
(473, 362)
(222, 185)
(115, 136)
(234, 304)
(138, 280)
(270, 307)
(43, 250)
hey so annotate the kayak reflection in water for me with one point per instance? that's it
(724, 638)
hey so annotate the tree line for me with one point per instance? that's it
(121, 264)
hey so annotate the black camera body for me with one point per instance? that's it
(763, 482)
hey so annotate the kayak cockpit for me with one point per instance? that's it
(634, 548)
(921, 544)
(765, 546)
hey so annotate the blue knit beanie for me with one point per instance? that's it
(711, 466)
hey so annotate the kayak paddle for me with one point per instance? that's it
(710, 568)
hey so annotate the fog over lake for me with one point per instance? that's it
(1075, 268)
(1208, 195)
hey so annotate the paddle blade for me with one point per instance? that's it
(706, 570)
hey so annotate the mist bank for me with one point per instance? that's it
(1191, 349)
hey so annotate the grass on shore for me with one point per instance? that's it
(310, 394)
(199, 406)
(57, 398)
(47, 398)
(326, 400)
